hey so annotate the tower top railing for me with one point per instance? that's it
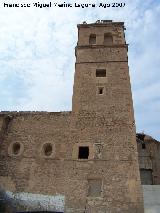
(100, 23)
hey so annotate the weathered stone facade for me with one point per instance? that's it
(87, 157)
(149, 159)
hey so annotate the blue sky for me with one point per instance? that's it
(37, 56)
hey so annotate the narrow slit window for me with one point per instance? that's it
(47, 149)
(100, 90)
(16, 148)
(83, 152)
(100, 73)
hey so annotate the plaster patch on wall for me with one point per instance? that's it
(131, 186)
(34, 202)
(7, 183)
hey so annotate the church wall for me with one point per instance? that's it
(31, 131)
(63, 173)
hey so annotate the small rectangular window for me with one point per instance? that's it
(95, 187)
(143, 145)
(100, 73)
(83, 152)
(100, 90)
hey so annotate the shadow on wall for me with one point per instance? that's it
(6, 204)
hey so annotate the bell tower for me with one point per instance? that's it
(103, 110)
(102, 77)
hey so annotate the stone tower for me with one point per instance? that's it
(102, 104)
(84, 161)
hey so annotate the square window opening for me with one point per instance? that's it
(100, 73)
(83, 152)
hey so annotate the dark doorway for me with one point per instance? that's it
(146, 176)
